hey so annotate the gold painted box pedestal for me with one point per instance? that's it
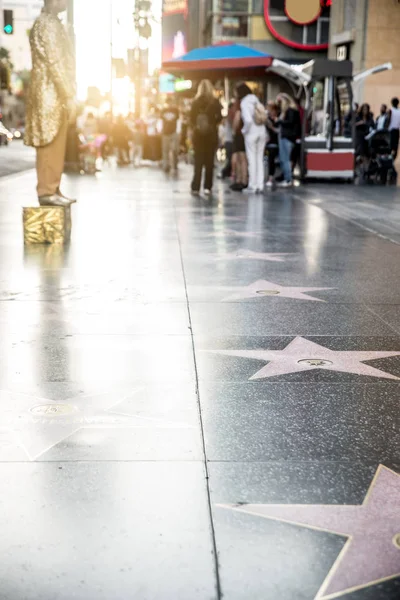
(47, 225)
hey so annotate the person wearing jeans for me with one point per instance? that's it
(289, 124)
(285, 152)
(255, 137)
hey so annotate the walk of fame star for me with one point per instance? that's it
(263, 288)
(371, 554)
(303, 355)
(39, 424)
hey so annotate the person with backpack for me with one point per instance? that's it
(254, 118)
(205, 116)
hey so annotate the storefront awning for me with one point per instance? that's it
(216, 62)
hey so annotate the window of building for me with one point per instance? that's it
(233, 6)
(233, 26)
(231, 18)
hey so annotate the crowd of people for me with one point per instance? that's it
(388, 120)
(251, 132)
(253, 135)
(160, 137)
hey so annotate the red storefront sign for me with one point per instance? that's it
(300, 14)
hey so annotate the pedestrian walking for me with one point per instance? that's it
(364, 125)
(121, 136)
(273, 144)
(382, 122)
(239, 162)
(50, 106)
(394, 127)
(228, 140)
(205, 116)
(289, 125)
(255, 136)
(170, 142)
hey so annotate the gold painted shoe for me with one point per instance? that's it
(70, 200)
(54, 200)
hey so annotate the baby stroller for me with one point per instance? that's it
(381, 167)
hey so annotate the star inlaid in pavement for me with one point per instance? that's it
(250, 255)
(303, 355)
(263, 288)
(39, 424)
(371, 554)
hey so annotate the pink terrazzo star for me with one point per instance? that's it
(263, 288)
(372, 553)
(304, 355)
(250, 255)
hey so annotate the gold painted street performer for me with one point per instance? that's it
(51, 101)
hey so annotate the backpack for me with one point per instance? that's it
(203, 123)
(260, 114)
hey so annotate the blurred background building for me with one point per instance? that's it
(365, 32)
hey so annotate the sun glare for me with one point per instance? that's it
(100, 24)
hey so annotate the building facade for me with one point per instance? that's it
(365, 31)
(277, 27)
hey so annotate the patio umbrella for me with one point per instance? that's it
(220, 61)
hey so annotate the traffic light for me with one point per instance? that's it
(8, 22)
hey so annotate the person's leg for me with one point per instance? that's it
(227, 170)
(234, 166)
(175, 150)
(198, 167)
(209, 166)
(165, 152)
(260, 151)
(251, 148)
(394, 142)
(50, 163)
(285, 150)
(272, 154)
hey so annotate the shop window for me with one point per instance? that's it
(258, 7)
(275, 8)
(311, 32)
(234, 26)
(233, 6)
(324, 32)
(291, 31)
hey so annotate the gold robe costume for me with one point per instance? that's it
(52, 84)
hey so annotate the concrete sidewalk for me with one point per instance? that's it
(199, 399)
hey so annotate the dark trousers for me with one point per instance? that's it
(394, 142)
(273, 153)
(204, 155)
(227, 170)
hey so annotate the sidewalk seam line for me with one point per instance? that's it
(213, 536)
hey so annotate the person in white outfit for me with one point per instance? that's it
(255, 137)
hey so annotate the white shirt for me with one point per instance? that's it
(380, 123)
(248, 107)
(395, 119)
